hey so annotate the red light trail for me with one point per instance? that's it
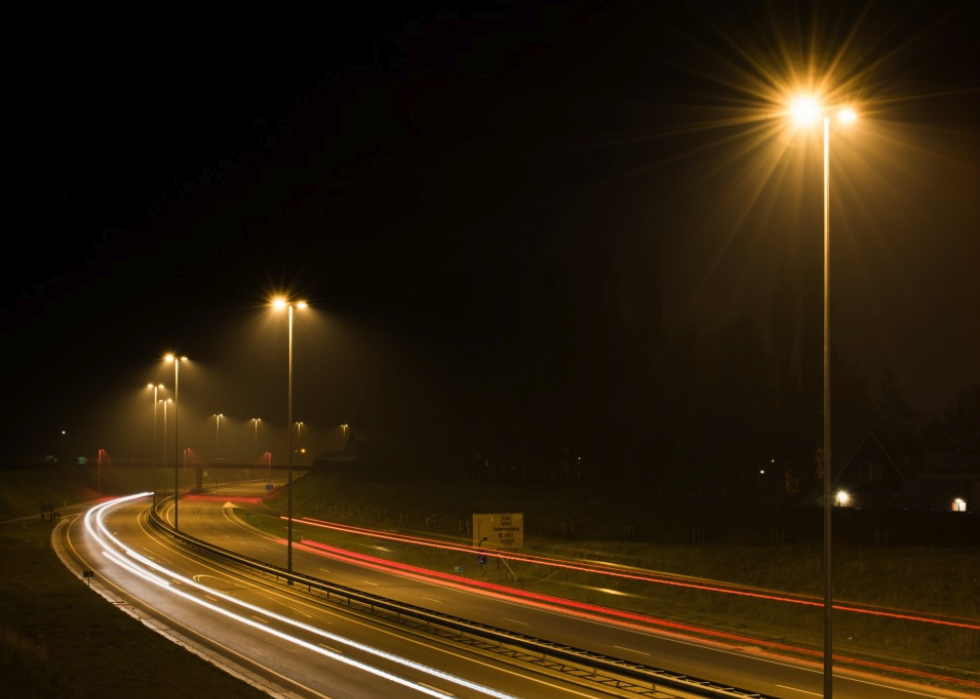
(596, 612)
(948, 621)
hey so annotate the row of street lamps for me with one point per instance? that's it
(806, 110)
(278, 304)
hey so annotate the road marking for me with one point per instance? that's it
(632, 650)
(802, 691)
(436, 689)
(515, 621)
(433, 599)
(260, 620)
(331, 648)
(368, 582)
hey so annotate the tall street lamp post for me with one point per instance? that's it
(165, 401)
(153, 457)
(280, 304)
(808, 110)
(176, 362)
(255, 422)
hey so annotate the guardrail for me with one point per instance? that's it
(620, 674)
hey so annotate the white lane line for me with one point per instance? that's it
(632, 650)
(795, 689)
(516, 621)
(438, 689)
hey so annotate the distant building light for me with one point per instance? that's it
(843, 497)
(959, 505)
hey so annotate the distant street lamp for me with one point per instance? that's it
(165, 402)
(344, 429)
(153, 457)
(280, 304)
(176, 362)
(255, 422)
(217, 434)
(299, 437)
(808, 110)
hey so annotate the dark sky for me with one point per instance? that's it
(170, 172)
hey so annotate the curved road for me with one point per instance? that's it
(419, 665)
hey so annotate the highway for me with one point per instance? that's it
(322, 652)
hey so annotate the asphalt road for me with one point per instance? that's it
(383, 656)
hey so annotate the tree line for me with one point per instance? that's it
(539, 371)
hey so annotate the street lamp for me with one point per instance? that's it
(153, 458)
(344, 428)
(299, 437)
(807, 110)
(255, 422)
(279, 304)
(217, 434)
(165, 402)
(176, 362)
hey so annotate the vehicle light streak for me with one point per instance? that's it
(599, 613)
(130, 560)
(588, 568)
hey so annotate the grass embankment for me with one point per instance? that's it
(59, 639)
(919, 580)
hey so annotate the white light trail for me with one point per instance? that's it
(139, 565)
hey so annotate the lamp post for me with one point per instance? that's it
(217, 434)
(807, 110)
(280, 304)
(165, 401)
(176, 362)
(153, 458)
(255, 422)
(344, 429)
(299, 437)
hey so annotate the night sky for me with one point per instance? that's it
(388, 167)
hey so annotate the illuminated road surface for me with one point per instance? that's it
(207, 518)
(276, 639)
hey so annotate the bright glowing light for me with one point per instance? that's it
(805, 110)
(279, 303)
(843, 497)
(959, 505)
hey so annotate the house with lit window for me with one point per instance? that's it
(946, 482)
(871, 478)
